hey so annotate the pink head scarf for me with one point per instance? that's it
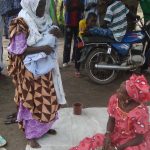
(138, 88)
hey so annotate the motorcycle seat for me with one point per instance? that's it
(133, 37)
(97, 39)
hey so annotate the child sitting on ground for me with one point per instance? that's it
(84, 26)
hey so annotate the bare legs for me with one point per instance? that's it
(33, 142)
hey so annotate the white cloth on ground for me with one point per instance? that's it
(71, 129)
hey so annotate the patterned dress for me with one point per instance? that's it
(127, 125)
(35, 96)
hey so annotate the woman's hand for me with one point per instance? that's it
(113, 148)
(47, 49)
(56, 32)
(33, 50)
(107, 142)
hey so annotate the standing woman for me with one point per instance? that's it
(37, 97)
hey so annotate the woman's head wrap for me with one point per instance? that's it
(138, 88)
(37, 25)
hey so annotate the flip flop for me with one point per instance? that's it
(52, 132)
(2, 141)
(11, 116)
(10, 121)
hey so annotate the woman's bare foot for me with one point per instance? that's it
(34, 144)
(52, 131)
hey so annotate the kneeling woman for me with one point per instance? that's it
(38, 86)
(128, 125)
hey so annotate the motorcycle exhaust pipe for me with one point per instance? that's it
(116, 67)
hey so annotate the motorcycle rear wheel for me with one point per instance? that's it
(99, 56)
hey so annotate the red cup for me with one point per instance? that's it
(77, 108)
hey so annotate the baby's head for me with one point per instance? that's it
(91, 20)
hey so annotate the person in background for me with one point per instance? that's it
(11, 9)
(1, 35)
(128, 126)
(91, 6)
(52, 11)
(84, 25)
(145, 5)
(73, 13)
(115, 25)
(61, 17)
(38, 96)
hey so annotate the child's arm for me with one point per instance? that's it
(82, 27)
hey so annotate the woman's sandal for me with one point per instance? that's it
(14, 115)
(2, 141)
(52, 131)
(10, 121)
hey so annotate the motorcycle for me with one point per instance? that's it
(103, 58)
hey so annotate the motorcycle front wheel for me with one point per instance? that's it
(99, 56)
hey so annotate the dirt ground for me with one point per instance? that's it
(77, 90)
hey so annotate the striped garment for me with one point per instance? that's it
(95, 10)
(116, 16)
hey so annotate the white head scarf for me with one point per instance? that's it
(36, 24)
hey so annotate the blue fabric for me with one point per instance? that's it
(101, 32)
(16, 4)
(10, 9)
(6, 6)
(9, 5)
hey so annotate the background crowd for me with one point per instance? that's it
(67, 15)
